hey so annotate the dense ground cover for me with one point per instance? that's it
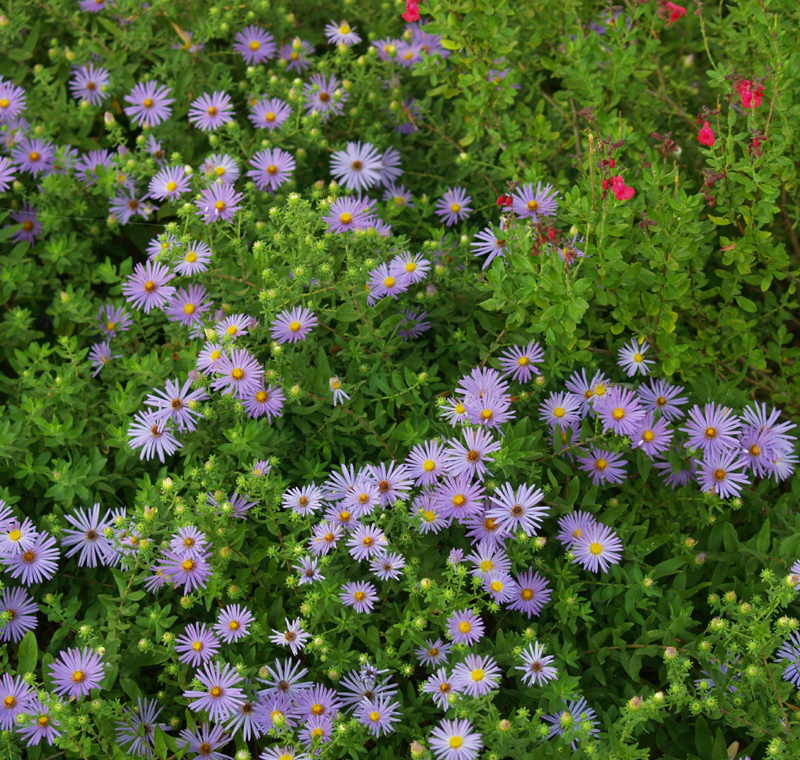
(380, 387)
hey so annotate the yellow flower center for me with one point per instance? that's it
(344, 29)
(533, 205)
(410, 266)
(368, 541)
(294, 327)
(711, 432)
(5, 103)
(429, 465)
(648, 436)
(212, 111)
(523, 361)
(191, 257)
(78, 676)
(459, 500)
(170, 187)
(219, 171)
(150, 286)
(456, 742)
(234, 625)
(428, 516)
(477, 675)
(237, 374)
(269, 116)
(464, 627)
(272, 169)
(487, 414)
(559, 412)
(215, 355)
(189, 308)
(215, 692)
(197, 646)
(601, 464)
(43, 720)
(374, 716)
(293, 55)
(444, 687)
(34, 156)
(637, 358)
(261, 397)
(455, 208)
(232, 330)
(487, 565)
(188, 565)
(596, 548)
(148, 103)
(660, 401)
(433, 652)
(618, 414)
(346, 218)
(460, 408)
(317, 733)
(255, 45)
(359, 596)
(497, 586)
(317, 709)
(219, 205)
(719, 475)
(10, 701)
(754, 450)
(15, 535)
(600, 390)
(388, 282)
(526, 594)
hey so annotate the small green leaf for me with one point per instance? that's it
(28, 654)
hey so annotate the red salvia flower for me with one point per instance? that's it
(751, 94)
(671, 11)
(706, 135)
(412, 11)
(621, 191)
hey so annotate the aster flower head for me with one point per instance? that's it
(93, 165)
(187, 306)
(383, 283)
(89, 537)
(471, 456)
(273, 168)
(458, 498)
(296, 54)
(454, 206)
(12, 101)
(275, 712)
(597, 549)
(194, 259)
(89, 83)
(488, 410)
(439, 686)
(620, 411)
(348, 214)
(270, 114)
(379, 715)
(535, 204)
(325, 537)
(335, 386)
(169, 183)
(428, 461)
(465, 627)
(318, 702)
(76, 672)
(366, 541)
(411, 266)
(571, 719)
(293, 636)
(482, 381)
(221, 695)
(536, 666)
(113, 320)
(560, 410)
(358, 166)
(254, 44)
(455, 740)
(341, 34)
(501, 587)
(292, 326)
(714, 429)
(43, 726)
(147, 287)
(632, 358)
(361, 596)
(128, 204)
(150, 104)
(309, 571)
(285, 677)
(93, 6)
(604, 466)
(206, 740)
(190, 572)
(392, 480)
(15, 537)
(233, 623)
(220, 202)
(7, 175)
(37, 563)
(434, 652)
(177, 404)
(16, 698)
(721, 474)
(323, 96)
(489, 558)
(427, 516)
(397, 196)
(100, 355)
(20, 610)
(362, 500)
(664, 398)
(521, 362)
(28, 217)
(305, 500)
(220, 167)
(789, 656)
(283, 753)
(530, 594)
(238, 373)
(653, 437)
(518, 510)
(476, 676)
(188, 541)
(152, 435)
(33, 156)
(135, 733)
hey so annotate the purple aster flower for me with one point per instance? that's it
(35, 564)
(476, 676)
(12, 101)
(790, 650)
(147, 287)
(569, 252)
(470, 457)
(398, 196)
(427, 461)
(348, 214)
(343, 516)
(484, 529)
(490, 244)
(16, 698)
(459, 499)
(714, 429)
(427, 514)
(560, 409)
(31, 226)
(309, 571)
(43, 727)
(619, 410)
(270, 114)
(196, 645)
(76, 672)
(236, 506)
(358, 166)
(218, 202)
(245, 720)
(521, 363)
(604, 466)
(260, 468)
(501, 587)
(136, 732)
(152, 436)
(176, 404)
(361, 596)
(535, 204)
(434, 652)
(496, 76)
(597, 549)
(341, 34)
(89, 539)
(65, 159)
(126, 205)
(361, 685)
(221, 167)
(719, 473)
(439, 686)
(366, 541)
(169, 183)
(254, 44)
(150, 104)
(483, 381)
(239, 373)
(378, 715)
(536, 666)
(339, 396)
(88, 84)
(190, 572)
(382, 283)
(571, 720)
(583, 389)
(489, 558)
(340, 484)
(761, 418)
(455, 740)
(305, 500)
(155, 150)
(210, 112)
(234, 326)
(33, 156)
(325, 537)
(387, 48)
(318, 702)
(93, 161)
(221, 695)
(188, 541)
(686, 473)
(93, 6)
(113, 320)
(489, 410)
(283, 753)
(362, 500)
(100, 355)
(390, 166)
(7, 176)
(206, 740)
(233, 623)
(409, 54)
(654, 438)
(186, 307)
(293, 637)
(454, 206)
(531, 594)
(411, 266)
(273, 168)
(517, 510)
(296, 53)
(317, 730)
(195, 259)
(262, 400)
(16, 128)
(392, 480)
(388, 566)
(321, 96)
(21, 611)
(431, 44)
(285, 678)
(757, 452)
(465, 627)
(631, 358)
(292, 326)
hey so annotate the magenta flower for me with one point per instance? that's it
(233, 623)
(534, 204)
(321, 96)
(220, 201)
(151, 435)
(455, 740)
(341, 34)
(36, 564)
(196, 645)
(604, 466)
(87, 83)
(239, 373)
(221, 695)
(530, 594)
(357, 167)
(150, 104)
(147, 287)
(169, 183)
(598, 548)
(631, 358)
(454, 206)
(348, 214)
(521, 362)
(465, 627)
(76, 672)
(270, 114)
(361, 596)
(210, 112)
(21, 611)
(292, 326)
(254, 44)
(273, 167)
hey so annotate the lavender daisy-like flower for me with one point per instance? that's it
(254, 44)
(187, 306)
(233, 623)
(190, 572)
(341, 34)
(93, 161)
(790, 650)
(221, 167)
(127, 205)
(270, 114)
(454, 206)
(501, 587)
(654, 437)
(434, 652)
(604, 466)
(188, 541)
(37, 563)
(560, 409)
(325, 536)
(458, 498)
(470, 457)
(293, 637)
(283, 753)
(490, 244)
(195, 259)
(348, 214)
(398, 196)
(205, 740)
(153, 436)
(392, 480)
(89, 539)
(296, 54)
(221, 695)
(169, 183)
(378, 715)
(31, 226)
(88, 84)
(465, 627)
(427, 516)
(531, 594)
(286, 678)
(305, 500)
(714, 429)
(631, 358)
(489, 558)
(536, 667)
(361, 596)
(535, 204)
(573, 526)
(382, 283)
(476, 676)
(439, 686)
(620, 411)
(43, 727)
(33, 156)
(521, 362)
(16, 698)
(339, 396)
(388, 566)
(323, 96)
(309, 571)
(147, 287)
(264, 400)
(93, 6)
(7, 176)
(391, 166)
(210, 112)
(318, 702)
(76, 672)
(239, 373)
(196, 645)
(218, 202)
(135, 733)
(292, 326)
(517, 510)
(113, 320)
(177, 404)
(358, 166)
(366, 541)
(20, 612)
(12, 101)
(100, 355)
(150, 104)
(428, 461)
(275, 712)
(273, 167)
(597, 549)
(489, 410)
(719, 472)
(455, 740)
(570, 720)
(411, 266)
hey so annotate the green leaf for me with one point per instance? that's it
(28, 654)
(763, 538)
(702, 738)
